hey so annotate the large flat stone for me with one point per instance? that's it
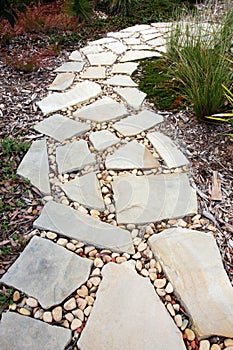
(119, 35)
(35, 166)
(124, 68)
(82, 92)
(75, 56)
(102, 41)
(132, 96)
(85, 190)
(157, 42)
(102, 110)
(19, 332)
(101, 59)
(92, 49)
(167, 196)
(135, 124)
(193, 264)
(135, 55)
(94, 73)
(120, 80)
(70, 67)
(103, 139)
(140, 47)
(116, 47)
(73, 156)
(62, 82)
(132, 41)
(131, 156)
(172, 156)
(128, 314)
(61, 128)
(137, 28)
(71, 223)
(47, 272)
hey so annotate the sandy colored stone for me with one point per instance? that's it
(193, 264)
(116, 47)
(91, 49)
(102, 58)
(120, 80)
(131, 95)
(94, 73)
(103, 139)
(57, 313)
(135, 55)
(62, 82)
(70, 304)
(75, 56)
(124, 68)
(70, 67)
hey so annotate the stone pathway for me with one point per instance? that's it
(104, 270)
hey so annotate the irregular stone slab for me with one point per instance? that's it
(75, 56)
(137, 28)
(103, 139)
(102, 41)
(102, 110)
(193, 264)
(135, 124)
(85, 190)
(172, 156)
(135, 55)
(62, 82)
(128, 314)
(35, 166)
(92, 49)
(140, 47)
(132, 41)
(119, 35)
(132, 96)
(47, 272)
(124, 68)
(167, 196)
(61, 128)
(71, 223)
(70, 67)
(101, 59)
(120, 80)
(157, 42)
(117, 47)
(82, 92)
(73, 156)
(19, 332)
(94, 73)
(131, 156)
(151, 36)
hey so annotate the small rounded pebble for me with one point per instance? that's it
(171, 310)
(229, 348)
(51, 235)
(178, 320)
(24, 311)
(12, 307)
(81, 303)
(47, 317)
(228, 342)
(160, 282)
(120, 259)
(83, 291)
(87, 310)
(98, 262)
(69, 317)
(76, 323)
(169, 288)
(142, 246)
(57, 313)
(62, 241)
(145, 272)
(16, 296)
(215, 347)
(38, 314)
(161, 292)
(204, 345)
(65, 324)
(70, 304)
(138, 265)
(78, 313)
(95, 281)
(90, 300)
(184, 324)
(32, 302)
(152, 276)
(190, 334)
(71, 246)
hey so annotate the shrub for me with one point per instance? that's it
(9, 10)
(81, 8)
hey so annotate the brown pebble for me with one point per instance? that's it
(16, 296)
(57, 313)
(190, 334)
(24, 311)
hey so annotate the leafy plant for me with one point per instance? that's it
(6, 298)
(81, 8)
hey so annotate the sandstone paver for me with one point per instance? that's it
(62, 82)
(120, 80)
(94, 73)
(70, 67)
(124, 68)
(47, 272)
(92, 49)
(19, 332)
(35, 166)
(193, 264)
(62, 219)
(102, 58)
(135, 55)
(136, 28)
(103, 139)
(117, 47)
(132, 96)
(75, 56)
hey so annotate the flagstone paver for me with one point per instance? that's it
(128, 315)
(132, 96)
(38, 174)
(70, 67)
(103, 139)
(19, 332)
(62, 82)
(120, 80)
(135, 124)
(94, 73)
(82, 92)
(61, 128)
(193, 264)
(73, 156)
(92, 49)
(85, 190)
(75, 56)
(102, 110)
(135, 55)
(47, 272)
(102, 59)
(172, 156)
(136, 28)
(71, 223)
(102, 41)
(124, 68)
(166, 196)
(131, 156)
(117, 47)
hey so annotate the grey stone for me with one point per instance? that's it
(75, 56)
(19, 332)
(132, 41)
(137, 28)
(85, 190)
(140, 47)
(131, 156)
(116, 47)
(135, 55)
(132, 96)
(101, 59)
(102, 41)
(82, 92)
(135, 124)
(124, 68)
(94, 73)
(147, 37)
(73, 156)
(103, 139)
(172, 156)
(128, 314)
(120, 80)
(70, 67)
(71, 223)
(119, 35)
(157, 42)
(35, 166)
(102, 110)
(61, 128)
(62, 82)
(92, 49)
(167, 196)
(193, 264)
(47, 271)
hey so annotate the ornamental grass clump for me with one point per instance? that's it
(197, 54)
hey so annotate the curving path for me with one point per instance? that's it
(106, 270)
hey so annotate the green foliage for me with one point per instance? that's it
(124, 7)
(6, 298)
(81, 8)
